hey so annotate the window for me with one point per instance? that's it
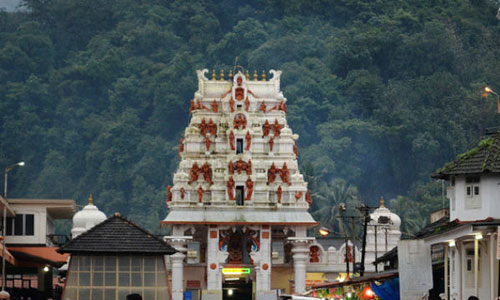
(240, 192)
(21, 224)
(239, 146)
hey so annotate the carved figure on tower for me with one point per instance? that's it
(183, 192)
(284, 174)
(282, 106)
(249, 167)
(200, 194)
(181, 147)
(231, 140)
(230, 168)
(212, 127)
(231, 104)
(266, 128)
(240, 121)
(277, 128)
(169, 193)
(296, 149)
(215, 107)
(271, 144)
(249, 186)
(262, 107)
(247, 104)
(207, 173)
(308, 198)
(248, 139)
(271, 174)
(298, 195)
(203, 127)
(279, 193)
(207, 142)
(230, 188)
(194, 172)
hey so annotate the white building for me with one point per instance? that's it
(466, 243)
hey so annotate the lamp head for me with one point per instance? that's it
(21, 164)
(323, 231)
(487, 89)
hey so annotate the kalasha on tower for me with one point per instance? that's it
(238, 206)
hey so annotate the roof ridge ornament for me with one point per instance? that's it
(382, 202)
(91, 200)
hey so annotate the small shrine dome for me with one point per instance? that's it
(383, 216)
(87, 218)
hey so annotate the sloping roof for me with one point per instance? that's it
(357, 280)
(117, 235)
(485, 158)
(46, 255)
(393, 253)
(444, 224)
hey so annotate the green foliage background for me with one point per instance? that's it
(94, 94)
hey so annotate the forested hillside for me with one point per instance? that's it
(94, 94)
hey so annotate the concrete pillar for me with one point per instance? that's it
(215, 259)
(262, 260)
(300, 253)
(177, 260)
(177, 263)
(476, 267)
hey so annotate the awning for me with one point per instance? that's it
(38, 256)
(8, 255)
(357, 280)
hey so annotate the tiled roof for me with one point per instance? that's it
(485, 158)
(117, 235)
(444, 224)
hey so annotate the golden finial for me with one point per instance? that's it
(247, 76)
(255, 75)
(382, 201)
(214, 77)
(91, 201)
(230, 74)
(263, 75)
(221, 74)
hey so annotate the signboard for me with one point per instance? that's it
(236, 271)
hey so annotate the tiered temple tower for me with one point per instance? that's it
(238, 206)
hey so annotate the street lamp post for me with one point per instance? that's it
(323, 231)
(3, 293)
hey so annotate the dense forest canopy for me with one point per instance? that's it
(94, 94)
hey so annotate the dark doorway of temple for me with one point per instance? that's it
(237, 290)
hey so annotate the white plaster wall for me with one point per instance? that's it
(489, 192)
(467, 282)
(40, 220)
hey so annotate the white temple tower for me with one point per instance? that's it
(382, 235)
(87, 218)
(238, 206)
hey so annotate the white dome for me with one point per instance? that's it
(87, 218)
(382, 211)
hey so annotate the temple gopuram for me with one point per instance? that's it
(238, 207)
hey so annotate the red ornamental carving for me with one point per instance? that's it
(169, 193)
(203, 127)
(284, 174)
(207, 173)
(213, 266)
(248, 138)
(230, 168)
(295, 149)
(212, 128)
(277, 128)
(271, 144)
(262, 107)
(249, 167)
(231, 140)
(195, 172)
(314, 254)
(240, 121)
(207, 143)
(200, 194)
(298, 195)
(279, 192)
(271, 174)
(265, 267)
(282, 106)
(247, 104)
(266, 128)
(230, 188)
(215, 107)
(181, 146)
(249, 186)
(191, 107)
(308, 198)
(231, 104)
(239, 92)
(183, 192)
